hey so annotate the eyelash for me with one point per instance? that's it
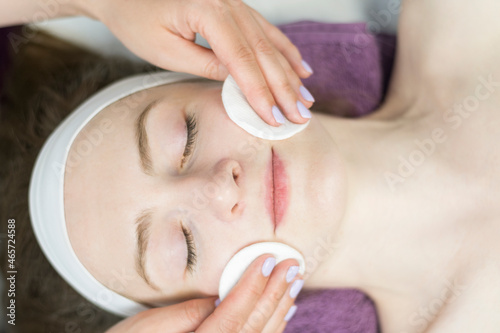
(191, 138)
(191, 261)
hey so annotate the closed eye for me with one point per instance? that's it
(191, 260)
(192, 131)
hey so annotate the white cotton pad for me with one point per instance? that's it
(243, 115)
(238, 264)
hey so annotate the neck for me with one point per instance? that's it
(390, 237)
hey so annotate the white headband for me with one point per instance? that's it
(46, 193)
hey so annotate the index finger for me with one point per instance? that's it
(284, 45)
(232, 314)
(231, 47)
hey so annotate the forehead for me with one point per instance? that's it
(103, 184)
(99, 178)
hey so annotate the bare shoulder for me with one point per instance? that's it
(474, 308)
(453, 38)
(446, 50)
(473, 302)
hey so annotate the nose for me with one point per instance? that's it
(221, 191)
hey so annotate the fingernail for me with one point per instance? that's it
(278, 115)
(296, 286)
(292, 271)
(306, 94)
(304, 112)
(268, 266)
(217, 302)
(306, 66)
(291, 312)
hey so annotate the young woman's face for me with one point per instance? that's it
(218, 194)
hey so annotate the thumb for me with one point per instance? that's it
(188, 57)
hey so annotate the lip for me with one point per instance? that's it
(276, 190)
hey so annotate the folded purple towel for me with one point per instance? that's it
(333, 311)
(351, 74)
(351, 67)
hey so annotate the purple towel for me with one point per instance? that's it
(351, 72)
(333, 311)
(351, 68)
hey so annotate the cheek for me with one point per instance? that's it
(216, 257)
(221, 137)
(219, 244)
(215, 116)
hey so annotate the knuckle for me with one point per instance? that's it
(284, 86)
(251, 328)
(192, 313)
(230, 324)
(263, 46)
(258, 318)
(218, 8)
(289, 72)
(211, 69)
(275, 296)
(234, 3)
(295, 80)
(260, 91)
(253, 291)
(244, 54)
(267, 306)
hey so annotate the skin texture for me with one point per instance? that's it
(425, 248)
(106, 189)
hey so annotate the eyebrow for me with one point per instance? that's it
(143, 230)
(142, 140)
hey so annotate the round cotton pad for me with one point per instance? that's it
(238, 264)
(243, 115)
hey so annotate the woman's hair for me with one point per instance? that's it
(48, 78)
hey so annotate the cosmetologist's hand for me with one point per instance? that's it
(258, 303)
(265, 64)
